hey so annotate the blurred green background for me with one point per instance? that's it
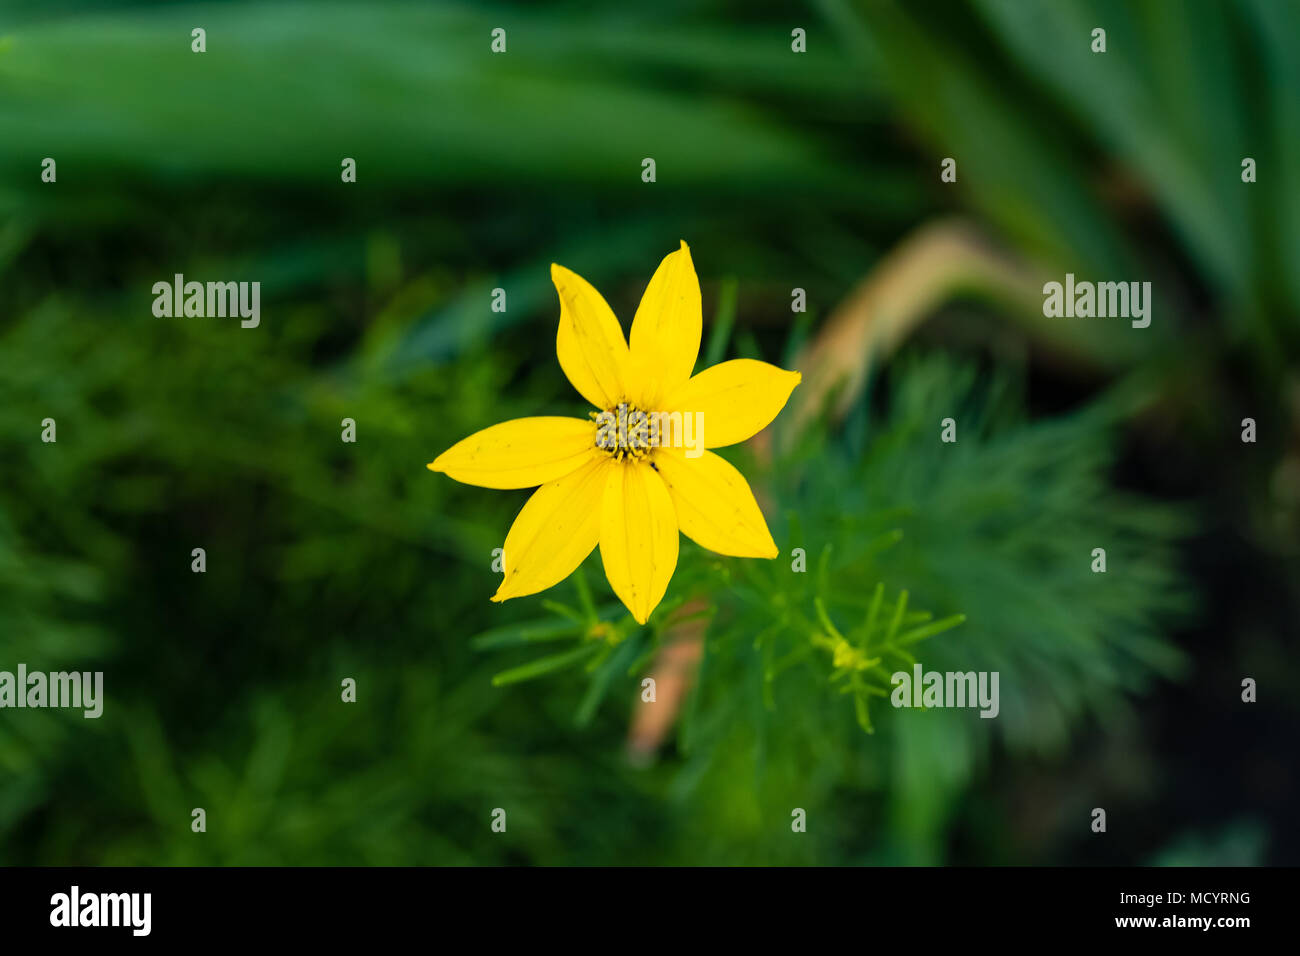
(783, 170)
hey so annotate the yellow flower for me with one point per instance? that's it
(638, 472)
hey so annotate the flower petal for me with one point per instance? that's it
(668, 323)
(737, 399)
(590, 343)
(714, 505)
(521, 453)
(554, 531)
(638, 537)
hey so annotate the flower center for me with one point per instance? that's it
(626, 432)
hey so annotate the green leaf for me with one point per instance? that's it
(545, 665)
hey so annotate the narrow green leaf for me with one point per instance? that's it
(723, 320)
(544, 665)
(929, 630)
(512, 635)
